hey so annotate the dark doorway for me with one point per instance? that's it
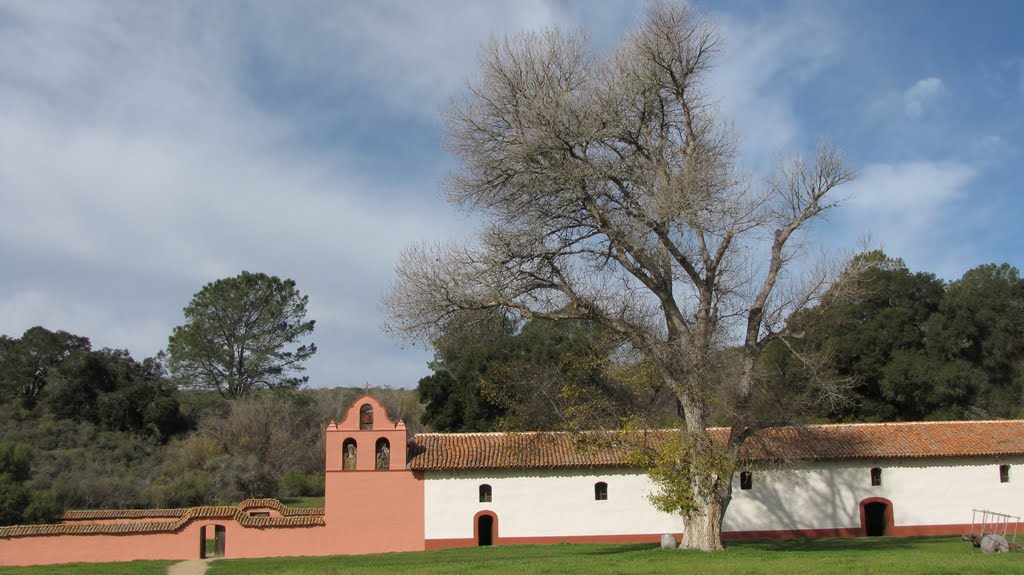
(212, 546)
(485, 530)
(874, 518)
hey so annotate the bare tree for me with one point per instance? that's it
(610, 190)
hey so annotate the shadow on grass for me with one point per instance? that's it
(836, 544)
(612, 549)
(551, 551)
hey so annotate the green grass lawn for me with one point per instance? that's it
(905, 556)
(130, 568)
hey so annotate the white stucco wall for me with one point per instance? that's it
(545, 503)
(828, 494)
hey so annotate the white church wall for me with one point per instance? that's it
(824, 495)
(543, 503)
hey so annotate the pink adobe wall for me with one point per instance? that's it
(369, 510)
(272, 542)
(184, 544)
(47, 550)
(374, 511)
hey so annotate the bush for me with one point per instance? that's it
(19, 503)
(298, 483)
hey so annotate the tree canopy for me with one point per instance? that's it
(111, 389)
(498, 377)
(611, 193)
(19, 504)
(241, 334)
(914, 348)
(26, 363)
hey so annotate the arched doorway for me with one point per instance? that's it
(485, 529)
(212, 541)
(876, 516)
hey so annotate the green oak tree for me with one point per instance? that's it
(27, 363)
(980, 323)
(19, 503)
(502, 378)
(914, 348)
(241, 334)
(111, 389)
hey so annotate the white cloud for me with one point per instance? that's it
(764, 62)
(910, 208)
(151, 149)
(105, 325)
(410, 55)
(136, 168)
(919, 96)
(148, 149)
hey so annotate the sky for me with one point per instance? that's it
(148, 148)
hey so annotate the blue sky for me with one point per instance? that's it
(149, 148)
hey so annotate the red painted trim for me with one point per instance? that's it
(549, 540)
(842, 532)
(642, 538)
(896, 531)
(434, 544)
(837, 532)
(929, 530)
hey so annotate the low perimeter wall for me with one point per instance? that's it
(184, 544)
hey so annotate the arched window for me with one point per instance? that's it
(485, 493)
(348, 454)
(746, 480)
(383, 454)
(366, 416)
(600, 491)
(1004, 474)
(876, 476)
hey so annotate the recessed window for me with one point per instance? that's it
(485, 493)
(348, 454)
(600, 491)
(746, 480)
(382, 455)
(1004, 474)
(259, 514)
(876, 476)
(366, 416)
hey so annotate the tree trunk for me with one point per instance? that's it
(710, 482)
(702, 529)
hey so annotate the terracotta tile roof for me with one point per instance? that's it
(94, 514)
(891, 440)
(239, 513)
(441, 451)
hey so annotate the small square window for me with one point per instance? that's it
(1004, 474)
(746, 480)
(485, 493)
(876, 476)
(600, 491)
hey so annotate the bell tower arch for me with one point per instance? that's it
(357, 441)
(373, 502)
